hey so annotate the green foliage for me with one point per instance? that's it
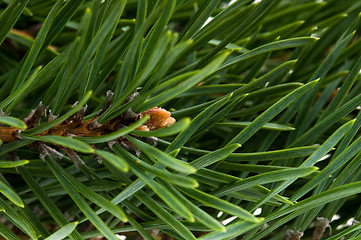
(266, 98)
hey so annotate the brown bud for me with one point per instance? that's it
(159, 118)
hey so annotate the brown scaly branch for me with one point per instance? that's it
(292, 235)
(320, 228)
(75, 126)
